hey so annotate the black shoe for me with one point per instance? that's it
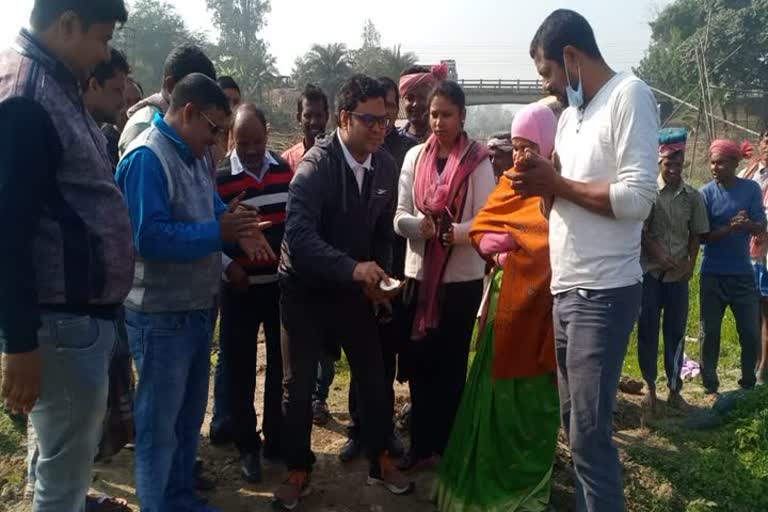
(351, 450)
(250, 467)
(395, 448)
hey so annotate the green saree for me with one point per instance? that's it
(502, 446)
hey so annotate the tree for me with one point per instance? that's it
(326, 66)
(394, 61)
(242, 53)
(371, 36)
(735, 38)
(153, 29)
(374, 60)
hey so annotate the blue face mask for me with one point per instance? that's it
(575, 97)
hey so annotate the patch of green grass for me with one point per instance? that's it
(12, 434)
(724, 469)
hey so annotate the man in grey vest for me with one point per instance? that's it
(179, 225)
(65, 262)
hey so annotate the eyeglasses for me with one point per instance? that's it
(369, 120)
(216, 130)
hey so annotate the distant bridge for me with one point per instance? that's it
(498, 92)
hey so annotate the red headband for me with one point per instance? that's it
(437, 74)
(731, 149)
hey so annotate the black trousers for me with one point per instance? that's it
(438, 367)
(389, 348)
(306, 325)
(242, 313)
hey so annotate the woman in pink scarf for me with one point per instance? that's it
(443, 184)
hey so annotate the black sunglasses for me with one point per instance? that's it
(369, 120)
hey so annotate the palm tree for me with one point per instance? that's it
(327, 66)
(395, 61)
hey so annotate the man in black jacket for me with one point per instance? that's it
(335, 254)
(392, 332)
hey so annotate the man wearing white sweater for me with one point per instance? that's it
(606, 153)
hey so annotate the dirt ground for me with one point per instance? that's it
(336, 487)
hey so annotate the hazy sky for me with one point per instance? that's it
(487, 38)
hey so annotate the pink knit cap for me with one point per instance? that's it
(538, 124)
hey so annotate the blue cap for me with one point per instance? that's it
(672, 135)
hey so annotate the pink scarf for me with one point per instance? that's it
(437, 195)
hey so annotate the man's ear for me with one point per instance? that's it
(343, 120)
(168, 84)
(188, 113)
(69, 24)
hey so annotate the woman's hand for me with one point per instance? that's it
(427, 227)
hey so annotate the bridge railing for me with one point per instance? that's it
(522, 86)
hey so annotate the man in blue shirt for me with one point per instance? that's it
(735, 211)
(179, 226)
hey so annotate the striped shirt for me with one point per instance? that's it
(268, 191)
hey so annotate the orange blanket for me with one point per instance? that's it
(524, 343)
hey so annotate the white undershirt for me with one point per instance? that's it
(358, 169)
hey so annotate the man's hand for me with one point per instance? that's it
(22, 374)
(427, 228)
(237, 276)
(368, 273)
(687, 269)
(237, 204)
(241, 224)
(255, 245)
(740, 221)
(381, 299)
(667, 262)
(539, 177)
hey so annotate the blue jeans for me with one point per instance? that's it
(672, 298)
(592, 329)
(172, 354)
(326, 372)
(716, 293)
(68, 415)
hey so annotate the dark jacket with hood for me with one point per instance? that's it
(331, 226)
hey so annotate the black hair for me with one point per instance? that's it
(311, 93)
(416, 68)
(201, 91)
(564, 28)
(450, 90)
(106, 70)
(137, 84)
(227, 82)
(357, 89)
(390, 85)
(505, 135)
(764, 133)
(250, 108)
(45, 12)
(185, 60)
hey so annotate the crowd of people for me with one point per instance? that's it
(133, 224)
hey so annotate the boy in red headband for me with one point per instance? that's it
(735, 210)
